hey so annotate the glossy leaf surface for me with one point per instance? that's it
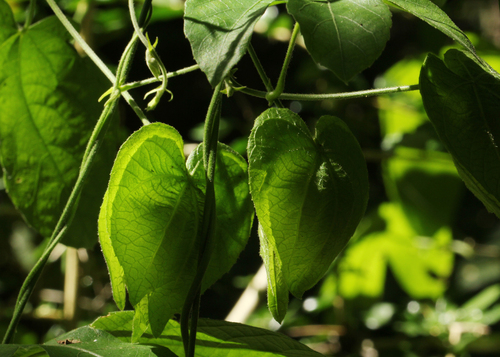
(214, 338)
(309, 193)
(151, 216)
(219, 32)
(345, 36)
(461, 99)
(49, 107)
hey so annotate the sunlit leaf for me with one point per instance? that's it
(213, 339)
(309, 192)
(151, 216)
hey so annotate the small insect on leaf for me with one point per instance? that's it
(68, 341)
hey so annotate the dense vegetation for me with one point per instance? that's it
(352, 197)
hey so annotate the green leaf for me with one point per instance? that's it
(437, 18)
(49, 107)
(153, 212)
(213, 339)
(233, 205)
(115, 270)
(345, 36)
(220, 31)
(277, 291)
(309, 193)
(86, 341)
(420, 264)
(150, 222)
(461, 99)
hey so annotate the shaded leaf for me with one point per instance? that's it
(461, 99)
(345, 36)
(233, 205)
(219, 32)
(213, 339)
(431, 13)
(49, 107)
(309, 193)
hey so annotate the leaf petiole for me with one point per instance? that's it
(280, 86)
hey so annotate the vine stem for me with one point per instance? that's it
(30, 14)
(95, 58)
(262, 73)
(210, 143)
(66, 217)
(313, 97)
(280, 86)
(152, 80)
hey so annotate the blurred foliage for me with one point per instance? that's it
(421, 275)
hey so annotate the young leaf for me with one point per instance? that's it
(461, 99)
(345, 36)
(213, 339)
(219, 32)
(49, 106)
(309, 193)
(151, 216)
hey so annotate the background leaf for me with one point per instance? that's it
(219, 32)
(214, 338)
(49, 107)
(309, 193)
(233, 205)
(345, 36)
(461, 99)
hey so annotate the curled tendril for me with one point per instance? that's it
(158, 70)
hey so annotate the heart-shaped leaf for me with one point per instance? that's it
(345, 36)
(150, 221)
(461, 99)
(49, 107)
(219, 32)
(309, 193)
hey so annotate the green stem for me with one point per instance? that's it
(210, 143)
(280, 86)
(30, 14)
(314, 97)
(262, 73)
(137, 84)
(97, 61)
(145, 11)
